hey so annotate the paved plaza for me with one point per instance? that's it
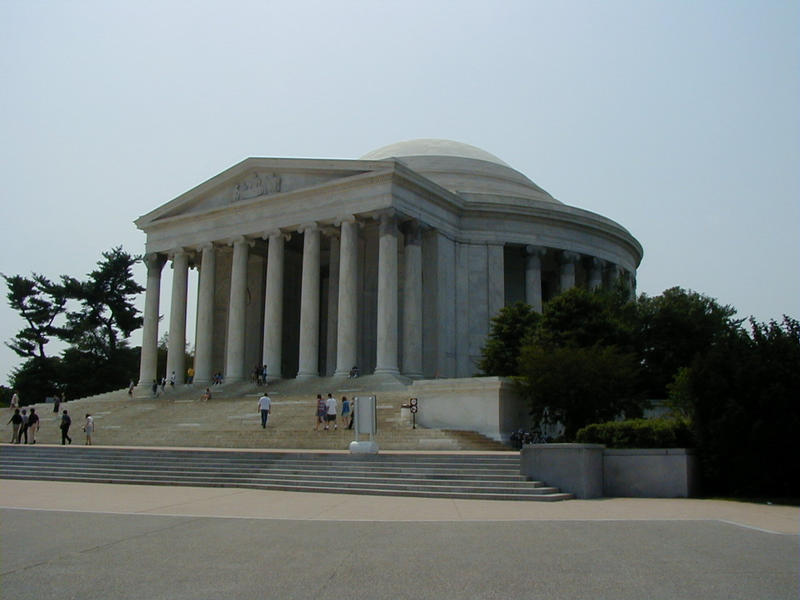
(72, 540)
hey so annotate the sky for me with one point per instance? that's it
(680, 120)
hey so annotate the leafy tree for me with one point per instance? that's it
(674, 328)
(577, 385)
(106, 313)
(509, 328)
(742, 397)
(39, 302)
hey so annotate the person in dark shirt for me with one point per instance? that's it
(65, 423)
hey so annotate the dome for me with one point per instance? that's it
(465, 170)
(432, 147)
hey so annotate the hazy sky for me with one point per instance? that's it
(679, 120)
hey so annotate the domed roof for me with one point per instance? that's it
(432, 147)
(466, 170)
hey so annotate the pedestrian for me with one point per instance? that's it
(345, 411)
(190, 375)
(23, 429)
(14, 400)
(264, 374)
(65, 423)
(320, 412)
(56, 403)
(264, 404)
(33, 425)
(331, 408)
(164, 384)
(352, 413)
(16, 423)
(88, 428)
(206, 395)
(131, 385)
(172, 381)
(155, 388)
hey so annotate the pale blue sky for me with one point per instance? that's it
(677, 119)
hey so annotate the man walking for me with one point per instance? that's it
(332, 408)
(264, 404)
(66, 421)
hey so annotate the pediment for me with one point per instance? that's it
(256, 180)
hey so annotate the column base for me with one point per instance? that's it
(387, 371)
(303, 376)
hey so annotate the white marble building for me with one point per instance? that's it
(394, 262)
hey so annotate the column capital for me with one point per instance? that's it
(308, 227)
(154, 261)
(598, 263)
(413, 231)
(276, 233)
(570, 257)
(240, 240)
(346, 219)
(178, 253)
(538, 251)
(388, 222)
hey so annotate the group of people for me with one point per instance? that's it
(25, 424)
(328, 409)
(260, 375)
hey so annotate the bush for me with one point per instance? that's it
(639, 433)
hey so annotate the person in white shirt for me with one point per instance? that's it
(332, 408)
(264, 404)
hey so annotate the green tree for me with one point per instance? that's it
(674, 328)
(39, 302)
(579, 385)
(742, 397)
(509, 328)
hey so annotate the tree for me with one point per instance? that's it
(509, 328)
(107, 314)
(674, 328)
(742, 398)
(577, 386)
(39, 302)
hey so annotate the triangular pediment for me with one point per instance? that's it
(259, 180)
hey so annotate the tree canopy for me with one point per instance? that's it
(95, 316)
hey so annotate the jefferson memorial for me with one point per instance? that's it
(395, 262)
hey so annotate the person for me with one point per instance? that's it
(16, 423)
(23, 429)
(264, 404)
(14, 400)
(190, 375)
(66, 421)
(164, 384)
(33, 424)
(131, 385)
(172, 381)
(56, 403)
(264, 374)
(345, 411)
(155, 388)
(257, 375)
(352, 414)
(332, 407)
(320, 412)
(354, 372)
(88, 428)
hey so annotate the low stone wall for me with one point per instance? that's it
(592, 470)
(488, 405)
(649, 473)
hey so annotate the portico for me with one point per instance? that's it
(395, 262)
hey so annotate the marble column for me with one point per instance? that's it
(412, 302)
(204, 333)
(176, 347)
(149, 358)
(309, 304)
(347, 320)
(234, 355)
(613, 273)
(568, 262)
(273, 305)
(333, 299)
(596, 273)
(533, 276)
(386, 355)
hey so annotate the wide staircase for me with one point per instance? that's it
(439, 475)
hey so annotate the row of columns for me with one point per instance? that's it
(567, 265)
(346, 309)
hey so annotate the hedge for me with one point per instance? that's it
(639, 433)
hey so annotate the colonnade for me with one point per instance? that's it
(345, 290)
(342, 311)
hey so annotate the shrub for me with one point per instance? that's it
(639, 433)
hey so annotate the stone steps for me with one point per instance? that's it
(441, 475)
